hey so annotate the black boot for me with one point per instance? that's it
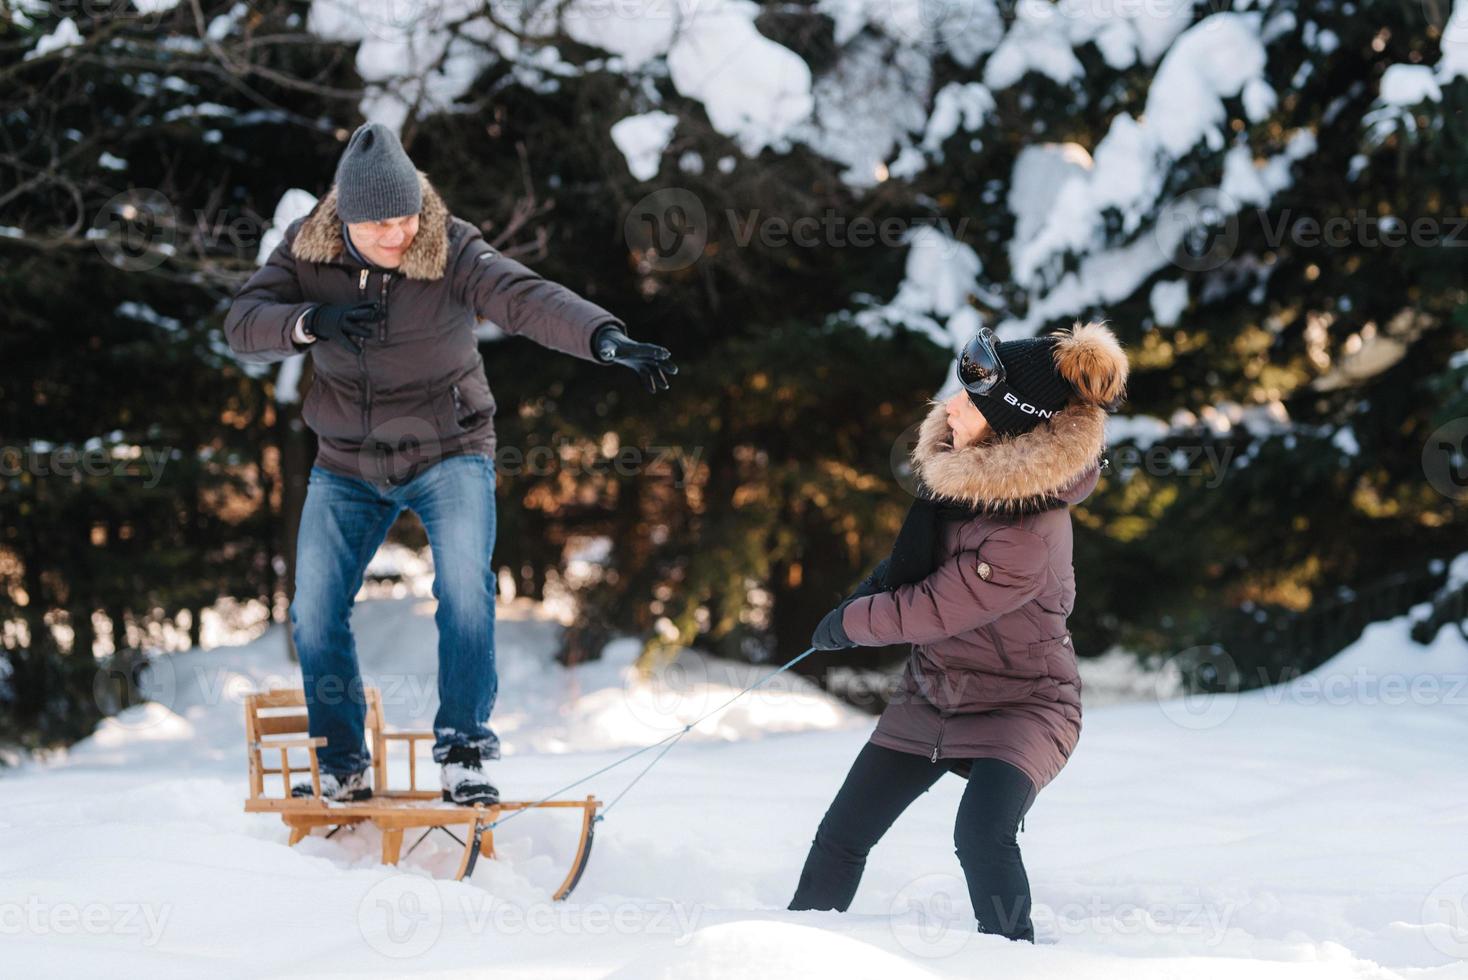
(463, 778)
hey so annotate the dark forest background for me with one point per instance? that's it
(767, 486)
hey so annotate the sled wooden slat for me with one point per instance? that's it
(291, 743)
(412, 738)
(279, 697)
(281, 724)
(391, 810)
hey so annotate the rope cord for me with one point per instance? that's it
(671, 740)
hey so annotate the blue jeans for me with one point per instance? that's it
(344, 521)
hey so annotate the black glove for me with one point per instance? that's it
(829, 634)
(349, 324)
(651, 362)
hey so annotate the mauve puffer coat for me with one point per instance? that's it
(993, 669)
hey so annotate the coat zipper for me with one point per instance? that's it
(382, 329)
(938, 744)
(382, 338)
(362, 361)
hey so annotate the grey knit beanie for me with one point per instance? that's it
(375, 180)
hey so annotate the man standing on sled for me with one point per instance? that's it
(383, 286)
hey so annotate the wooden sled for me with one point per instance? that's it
(275, 721)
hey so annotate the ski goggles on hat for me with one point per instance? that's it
(979, 369)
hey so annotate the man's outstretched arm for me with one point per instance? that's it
(522, 302)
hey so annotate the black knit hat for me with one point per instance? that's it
(375, 180)
(1043, 375)
(1032, 390)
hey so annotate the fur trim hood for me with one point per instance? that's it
(320, 236)
(1037, 470)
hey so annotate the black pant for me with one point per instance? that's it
(881, 784)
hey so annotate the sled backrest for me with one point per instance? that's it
(276, 721)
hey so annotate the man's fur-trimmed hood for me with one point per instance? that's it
(1037, 470)
(320, 237)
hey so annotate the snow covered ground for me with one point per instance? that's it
(1311, 831)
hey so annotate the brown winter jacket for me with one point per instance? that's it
(992, 671)
(418, 392)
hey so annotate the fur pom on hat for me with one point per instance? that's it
(1091, 359)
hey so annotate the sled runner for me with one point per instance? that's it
(275, 723)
